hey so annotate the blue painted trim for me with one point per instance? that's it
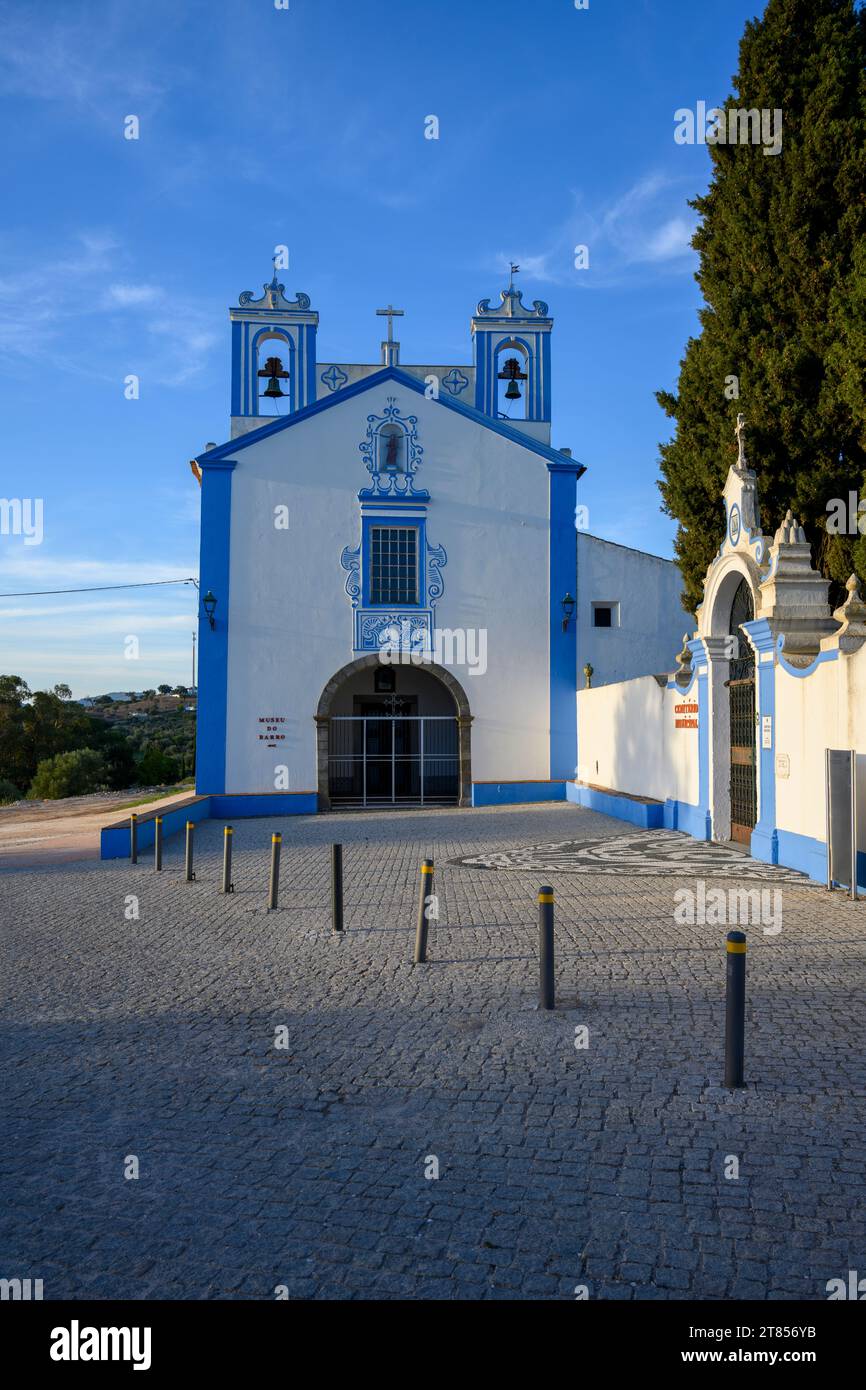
(417, 523)
(514, 793)
(114, 839)
(691, 820)
(213, 643)
(804, 853)
(700, 667)
(237, 340)
(649, 815)
(801, 671)
(268, 804)
(764, 843)
(562, 559)
(381, 378)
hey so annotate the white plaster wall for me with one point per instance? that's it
(826, 709)
(290, 619)
(627, 740)
(652, 619)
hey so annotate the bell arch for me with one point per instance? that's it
(372, 662)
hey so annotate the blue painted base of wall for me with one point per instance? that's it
(224, 805)
(764, 845)
(803, 853)
(114, 839)
(649, 815)
(513, 793)
(691, 820)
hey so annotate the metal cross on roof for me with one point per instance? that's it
(390, 348)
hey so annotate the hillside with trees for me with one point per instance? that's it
(51, 746)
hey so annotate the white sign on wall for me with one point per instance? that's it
(767, 731)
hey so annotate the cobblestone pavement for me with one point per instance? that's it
(304, 1166)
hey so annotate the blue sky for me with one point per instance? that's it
(305, 127)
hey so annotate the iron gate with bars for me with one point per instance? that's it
(385, 760)
(741, 693)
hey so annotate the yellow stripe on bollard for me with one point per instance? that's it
(545, 897)
(736, 948)
(426, 869)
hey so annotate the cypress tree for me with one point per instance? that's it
(782, 270)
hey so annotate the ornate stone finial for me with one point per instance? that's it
(852, 616)
(683, 673)
(740, 432)
(588, 673)
(790, 532)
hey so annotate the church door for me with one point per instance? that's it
(741, 691)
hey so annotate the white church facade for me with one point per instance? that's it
(397, 598)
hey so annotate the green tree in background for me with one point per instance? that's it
(155, 768)
(782, 245)
(68, 774)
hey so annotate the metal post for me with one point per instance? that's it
(227, 885)
(190, 876)
(424, 892)
(337, 887)
(276, 841)
(157, 843)
(133, 838)
(735, 1009)
(545, 948)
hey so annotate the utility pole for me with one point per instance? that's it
(193, 661)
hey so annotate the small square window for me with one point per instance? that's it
(605, 615)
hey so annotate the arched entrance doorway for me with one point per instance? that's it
(392, 735)
(741, 695)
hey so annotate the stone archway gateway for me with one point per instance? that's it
(392, 735)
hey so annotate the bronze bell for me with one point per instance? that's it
(512, 374)
(273, 369)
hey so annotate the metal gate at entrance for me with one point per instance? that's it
(392, 760)
(741, 690)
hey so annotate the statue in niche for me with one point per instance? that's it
(392, 452)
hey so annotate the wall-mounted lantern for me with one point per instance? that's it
(209, 604)
(567, 611)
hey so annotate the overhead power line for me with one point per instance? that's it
(102, 588)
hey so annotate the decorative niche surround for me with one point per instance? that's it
(392, 456)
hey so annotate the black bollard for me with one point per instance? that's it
(273, 894)
(735, 1009)
(337, 887)
(227, 885)
(133, 838)
(157, 843)
(545, 948)
(424, 892)
(190, 876)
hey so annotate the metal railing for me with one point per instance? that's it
(388, 760)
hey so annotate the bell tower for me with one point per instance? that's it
(273, 356)
(511, 347)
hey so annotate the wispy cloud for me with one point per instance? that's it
(55, 300)
(650, 224)
(126, 295)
